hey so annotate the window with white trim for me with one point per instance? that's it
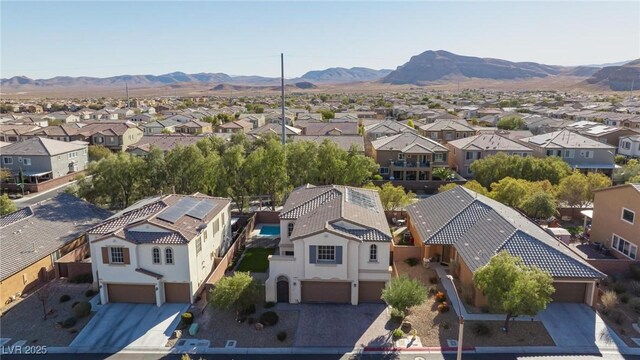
(438, 157)
(26, 161)
(289, 229)
(7, 160)
(198, 244)
(326, 253)
(373, 252)
(384, 170)
(168, 255)
(116, 255)
(400, 156)
(568, 154)
(628, 215)
(624, 247)
(434, 135)
(156, 255)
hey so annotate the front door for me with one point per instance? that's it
(283, 291)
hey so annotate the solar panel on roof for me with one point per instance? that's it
(361, 199)
(201, 209)
(177, 210)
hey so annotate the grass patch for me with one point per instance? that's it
(255, 260)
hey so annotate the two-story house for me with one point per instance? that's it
(161, 249)
(273, 128)
(195, 127)
(579, 151)
(159, 127)
(64, 132)
(40, 159)
(447, 130)
(463, 152)
(334, 247)
(408, 156)
(116, 136)
(238, 126)
(616, 219)
(387, 127)
(629, 146)
(256, 120)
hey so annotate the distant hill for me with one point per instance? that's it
(343, 75)
(438, 65)
(618, 78)
(302, 85)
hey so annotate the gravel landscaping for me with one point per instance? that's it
(25, 321)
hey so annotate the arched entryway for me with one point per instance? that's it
(282, 286)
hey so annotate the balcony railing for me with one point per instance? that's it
(409, 164)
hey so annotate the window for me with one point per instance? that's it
(326, 253)
(568, 153)
(384, 170)
(626, 145)
(289, 229)
(206, 234)
(168, 256)
(373, 252)
(26, 161)
(628, 215)
(216, 226)
(198, 244)
(400, 156)
(469, 155)
(99, 140)
(7, 160)
(439, 157)
(448, 136)
(117, 255)
(156, 255)
(588, 154)
(434, 135)
(623, 246)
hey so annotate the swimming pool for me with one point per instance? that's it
(270, 230)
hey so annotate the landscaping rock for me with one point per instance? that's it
(259, 326)
(176, 334)
(406, 327)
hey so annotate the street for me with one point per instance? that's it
(36, 198)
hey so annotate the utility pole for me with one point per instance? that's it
(126, 85)
(284, 137)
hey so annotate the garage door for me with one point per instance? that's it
(139, 294)
(177, 293)
(370, 291)
(326, 292)
(569, 292)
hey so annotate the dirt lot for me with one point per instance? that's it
(25, 321)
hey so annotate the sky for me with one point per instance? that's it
(92, 38)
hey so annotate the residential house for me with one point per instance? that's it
(256, 120)
(320, 128)
(42, 159)
(447, 130)
(105, 114)
(195, 127)
(273, 128)
(238, 126)
(629, 146)
(13, 133)
(616, 219)
(160, 249)
(334, 247)
(603, 133)
(141, 118)
(465, 230)
(463, 152)
(124, 113)
(579, 151)
(633, 122)
(163, 142)
(408, 156)
(34, 237)
(160, 127)
(307, 117)
(63, 116)
(387, 127)
(64, 132)
(116, 136)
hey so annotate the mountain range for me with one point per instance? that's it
(429, 67)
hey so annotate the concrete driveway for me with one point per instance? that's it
(118, 326)
(577, 325)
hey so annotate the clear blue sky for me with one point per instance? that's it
(46, 39)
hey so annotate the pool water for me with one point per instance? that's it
(270, 230)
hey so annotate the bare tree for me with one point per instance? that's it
(43, 296)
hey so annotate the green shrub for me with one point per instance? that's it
(74, 304)
(609, 301)
(412, 261)
(397, 334)
(282, 336)
(90, 293)
(269, 305)
(619, 288)
(635, 271)
(624, 298)
(65, 298)
(397, 315)
(69, 322)
(269, 318)
(481, 329)
(249, 310)
(81, 310)
(444, 307)
(187, 318)
(634, 304)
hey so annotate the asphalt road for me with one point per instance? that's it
(403, 356)
(31, 200)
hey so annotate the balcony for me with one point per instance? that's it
(410, 164)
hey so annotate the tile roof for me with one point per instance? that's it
(457, 125)
(165, 142)
(405, 141)
(388, 126)
(39, 146)
(32, 233)
(488, 142)
(564, 139)
(344, 142)
(479, 227)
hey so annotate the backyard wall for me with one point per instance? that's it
(404, 252)
(32, 188)
(267, 217)
(619, 267)
(420, 187)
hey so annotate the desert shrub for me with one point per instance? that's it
(81, 310)
(609, 301)
(481, 329)
(249, 310)
(634, 304)
(624, 298)
(251, 320)
(90, 293)
(282, 336)
(433, 280)
(619, 288)
(396, 314)
(82, 278)
(269, 305)
(74, 304)
(68, 322)
(65, 298)
(616, 316)
(634, 287)
(269, 318)
(635, 271)
(397, 334)
(444, 307)
(412, 261)
(187, 318)
(440, 296)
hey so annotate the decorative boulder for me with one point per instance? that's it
(406, 327)
(259, 326)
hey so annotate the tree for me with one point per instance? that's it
(514, 288)
(404, 293)
(327, 114)
(237, 292)
(628, 173)
(98, 152)
(475, 186)
(509, 191)
(225, 118)
(267, 166)
(443, 173)
(6, 205)
(394, 197)
(234, 178)
(493, 168)
(540, 205)
(447, 187)
(411, 124)
(117, 179)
